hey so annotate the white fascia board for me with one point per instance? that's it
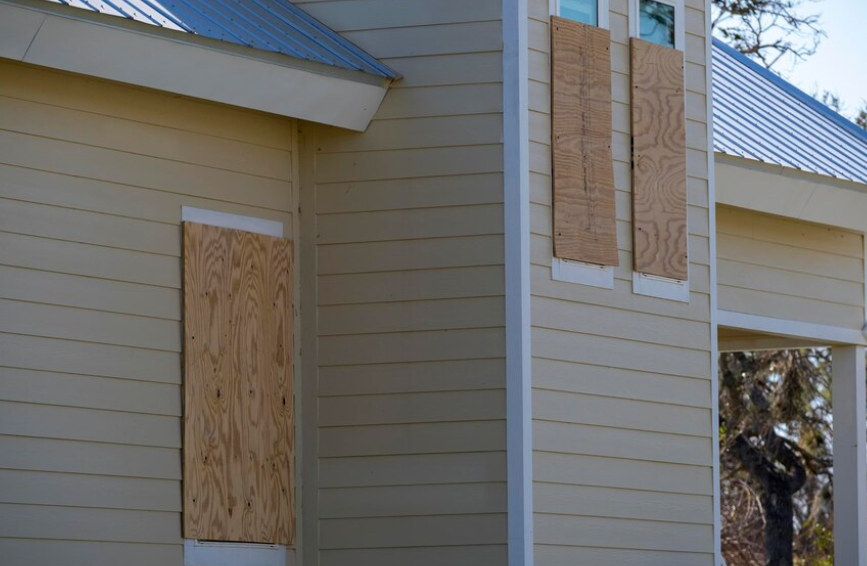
(167, 60)
(818, 333)
(789, 193)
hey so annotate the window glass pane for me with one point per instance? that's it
(583, 11)
(656, 22)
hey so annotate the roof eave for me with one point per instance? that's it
(130, 52)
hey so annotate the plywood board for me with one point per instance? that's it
(658, 161)
(583, 171)
(238, 404)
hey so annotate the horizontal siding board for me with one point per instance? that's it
(414, 500)
(428, 438)
(451, 69)
(40, 552)
(639, 356)
(610, 442)
(126, 168)
(78, 193)
(603, 321)
(142, 138)
(89, 293)
(142, 105)
(414, 133)
(80, 490)
(84, 391)
(90, 458)
(111, 525)
(429, 192)
(414, 469)
(577, 408)
(89, 228)
(91, 326)
(563, 499)
(450, 375)
(410, 224)
(409, 316)
(410, 255)
(69, 423)
(447, 530)
(412, 408)
(87, 358)
(411, 347)
(568, 554)
(89, 260)
(384, 287)
(606, 381)
(577, 469)
(464, 38)
(347, 15)
(622, 533)
(785, 307)
(487, 555)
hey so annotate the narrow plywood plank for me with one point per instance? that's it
(584, 211)
(658, 161)
(238, 433)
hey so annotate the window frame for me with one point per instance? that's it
(679, 23)
(601, 12)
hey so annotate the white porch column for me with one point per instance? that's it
(850, 456)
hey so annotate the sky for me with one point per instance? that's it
(840, 63)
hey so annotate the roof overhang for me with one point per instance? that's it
(69, 39)
(782, 191)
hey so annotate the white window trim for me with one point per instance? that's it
(232, 221)
(660, 287)
(591, 274)
(217, 553)
(207, 553)
(601, 10)
(679, 23)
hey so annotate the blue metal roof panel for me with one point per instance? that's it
(270, 25)
(758, 115)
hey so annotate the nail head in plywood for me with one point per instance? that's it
(585, 226)
(658, 161)
(238, 392)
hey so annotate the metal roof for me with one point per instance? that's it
(269, 25)
(758, 115)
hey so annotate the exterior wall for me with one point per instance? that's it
(622, 391)
(92, 179)
(407, 276)
(789, 269)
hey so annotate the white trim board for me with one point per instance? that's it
(209, 553)
(74, 40)
(232, 221)
(581, 273)
(820, 333)
(660, 287)
(516, 196)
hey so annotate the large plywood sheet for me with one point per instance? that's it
(584, 217)
(238, 409)
(658, 161)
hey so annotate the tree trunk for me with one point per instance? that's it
(779, 525)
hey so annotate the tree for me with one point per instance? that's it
(775, 438)
(767, 30)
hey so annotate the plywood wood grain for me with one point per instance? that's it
(238, 411)
(584, 212)
(658, 161)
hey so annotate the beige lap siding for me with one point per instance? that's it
(409, 285)
(788, 269)
(622, 437)
(92, 179)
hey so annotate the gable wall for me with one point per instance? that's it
(622, 389)
(92, 179)
(407, 413)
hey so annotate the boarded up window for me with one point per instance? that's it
(238, 404)
(585, 227)
(658, 161)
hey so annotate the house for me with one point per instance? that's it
(326, 282)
